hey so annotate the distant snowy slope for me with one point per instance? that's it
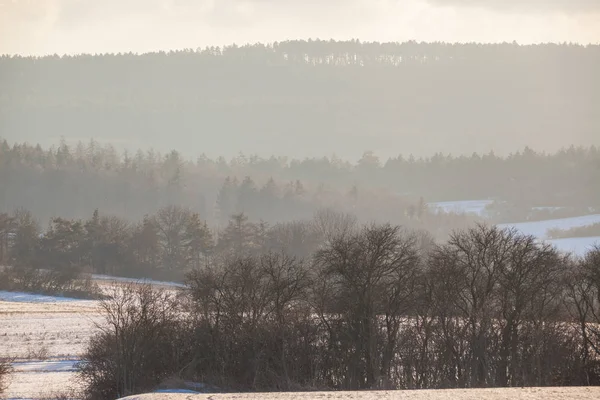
(540, 228)
(577, 246)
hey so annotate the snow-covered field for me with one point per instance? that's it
(574, 393)
(33, 380)
(45, 335)
(35, 326)
(40, 385)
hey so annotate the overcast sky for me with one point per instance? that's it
(91, 26)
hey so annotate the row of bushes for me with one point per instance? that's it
(64, 282)
(374, 307)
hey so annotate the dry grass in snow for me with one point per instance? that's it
(45, 330)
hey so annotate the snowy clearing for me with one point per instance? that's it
(540, 228)
(558, 393)
(476, 207)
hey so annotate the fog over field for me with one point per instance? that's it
(299, 198)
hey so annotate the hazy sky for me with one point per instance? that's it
(76, 26)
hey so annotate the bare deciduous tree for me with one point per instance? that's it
(5, 369)
(370, 281)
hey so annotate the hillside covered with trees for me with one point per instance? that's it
(311, 98)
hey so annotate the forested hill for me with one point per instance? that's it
(311, 98)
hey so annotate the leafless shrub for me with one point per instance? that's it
(5, 369)
(39, 352)
(136, 347)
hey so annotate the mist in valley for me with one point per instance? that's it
(289, 196)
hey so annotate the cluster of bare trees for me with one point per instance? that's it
(372, 306)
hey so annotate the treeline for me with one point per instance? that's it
(294, 97)
(372, 307)
(164, 245)
(72, 181)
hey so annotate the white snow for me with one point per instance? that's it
(51, 330)
(547, 208)
(57, 331)
(176, 391)
(548, 393)
(44, 366)
(476, 207)
(39, 385)
(540, 228)
(577, 246)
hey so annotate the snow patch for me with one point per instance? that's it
(45, 366)
(22, 297)
(476, 207)
(176, 391)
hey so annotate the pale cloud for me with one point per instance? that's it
(77, 26)
(534, 6)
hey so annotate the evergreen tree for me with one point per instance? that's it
(199, 241)
(226, 199)
(238, 236)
